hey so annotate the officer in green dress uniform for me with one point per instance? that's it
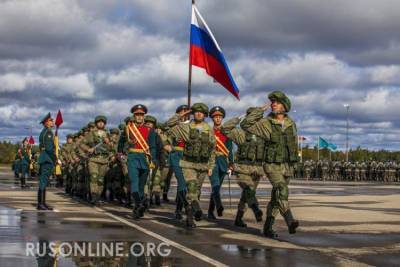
(47, 160)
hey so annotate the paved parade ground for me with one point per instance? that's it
(341, 224)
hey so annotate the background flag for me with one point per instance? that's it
(322, 143)
(206, 53)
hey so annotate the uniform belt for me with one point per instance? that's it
(178, 148)
(136, 150)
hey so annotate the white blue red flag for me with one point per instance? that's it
(206, 53)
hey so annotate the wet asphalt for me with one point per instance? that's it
(76, 222)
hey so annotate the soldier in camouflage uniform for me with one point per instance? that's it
(97, 146)
(156, 181)
(198, 158)
(307, 170)
(248, 167)
(281, 154)
(325, 170)
(122, 158)
(25, 160)
(114, 178)
(67, 162)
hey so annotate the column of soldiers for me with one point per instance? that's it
(349, 171)
(133, 164)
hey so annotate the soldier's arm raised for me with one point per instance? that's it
(255, 115)
(237, 135)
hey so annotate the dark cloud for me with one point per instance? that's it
(89, 57)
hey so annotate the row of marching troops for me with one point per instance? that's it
(133, 163)
(325, 170)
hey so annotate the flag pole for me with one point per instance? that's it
(318, 148)
(190, 74)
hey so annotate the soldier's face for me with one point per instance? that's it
(69, 140)
(149, 124)
(277, 107)
(25, 143)
(49, 123)
(217, 119)
(139, 118)
(198, 116)
(100, 125)
(184, 117)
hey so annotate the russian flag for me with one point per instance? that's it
(206, 53)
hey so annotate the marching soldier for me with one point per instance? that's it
(198, 157)
(248, 167)
(97, 146)
(141, 141)
(178, 145)
(114, 178)
(223, 160)
(281, 154)
(47, 160)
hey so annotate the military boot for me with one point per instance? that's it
(239, 219)
(165, 197)
(179, 205)
(291, 222)
(157, 199)
(211, 208)
(138, 208)
(268, 231)
(218, 203)
(44, 200)
(189, 216)
(40, 205)
(257, 212)
(198, 213)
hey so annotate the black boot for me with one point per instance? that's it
(165, 197)
(44, 200)
(218, 204)
(268, 231)
(211, 209)
(239, 219)
(22, 181)
(157, 199)
(189, 216)
(180, 199)
(138, 209)
(257, 212)
(198, 213)
(291, 222)
(40, 200)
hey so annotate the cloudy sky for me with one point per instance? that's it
(101, 57)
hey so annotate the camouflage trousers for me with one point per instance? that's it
(157, 179)
(279, 175)
(97, 168)
(194, 174)
(248, 178)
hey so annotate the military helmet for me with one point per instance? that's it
(200, 107)
(91, 124)
(101, 118)
(149, 118)
(84, 129)
(136, 109)
(217, 110)
(181, 107)
(70, 136)
(281, 98)
(114, 131)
